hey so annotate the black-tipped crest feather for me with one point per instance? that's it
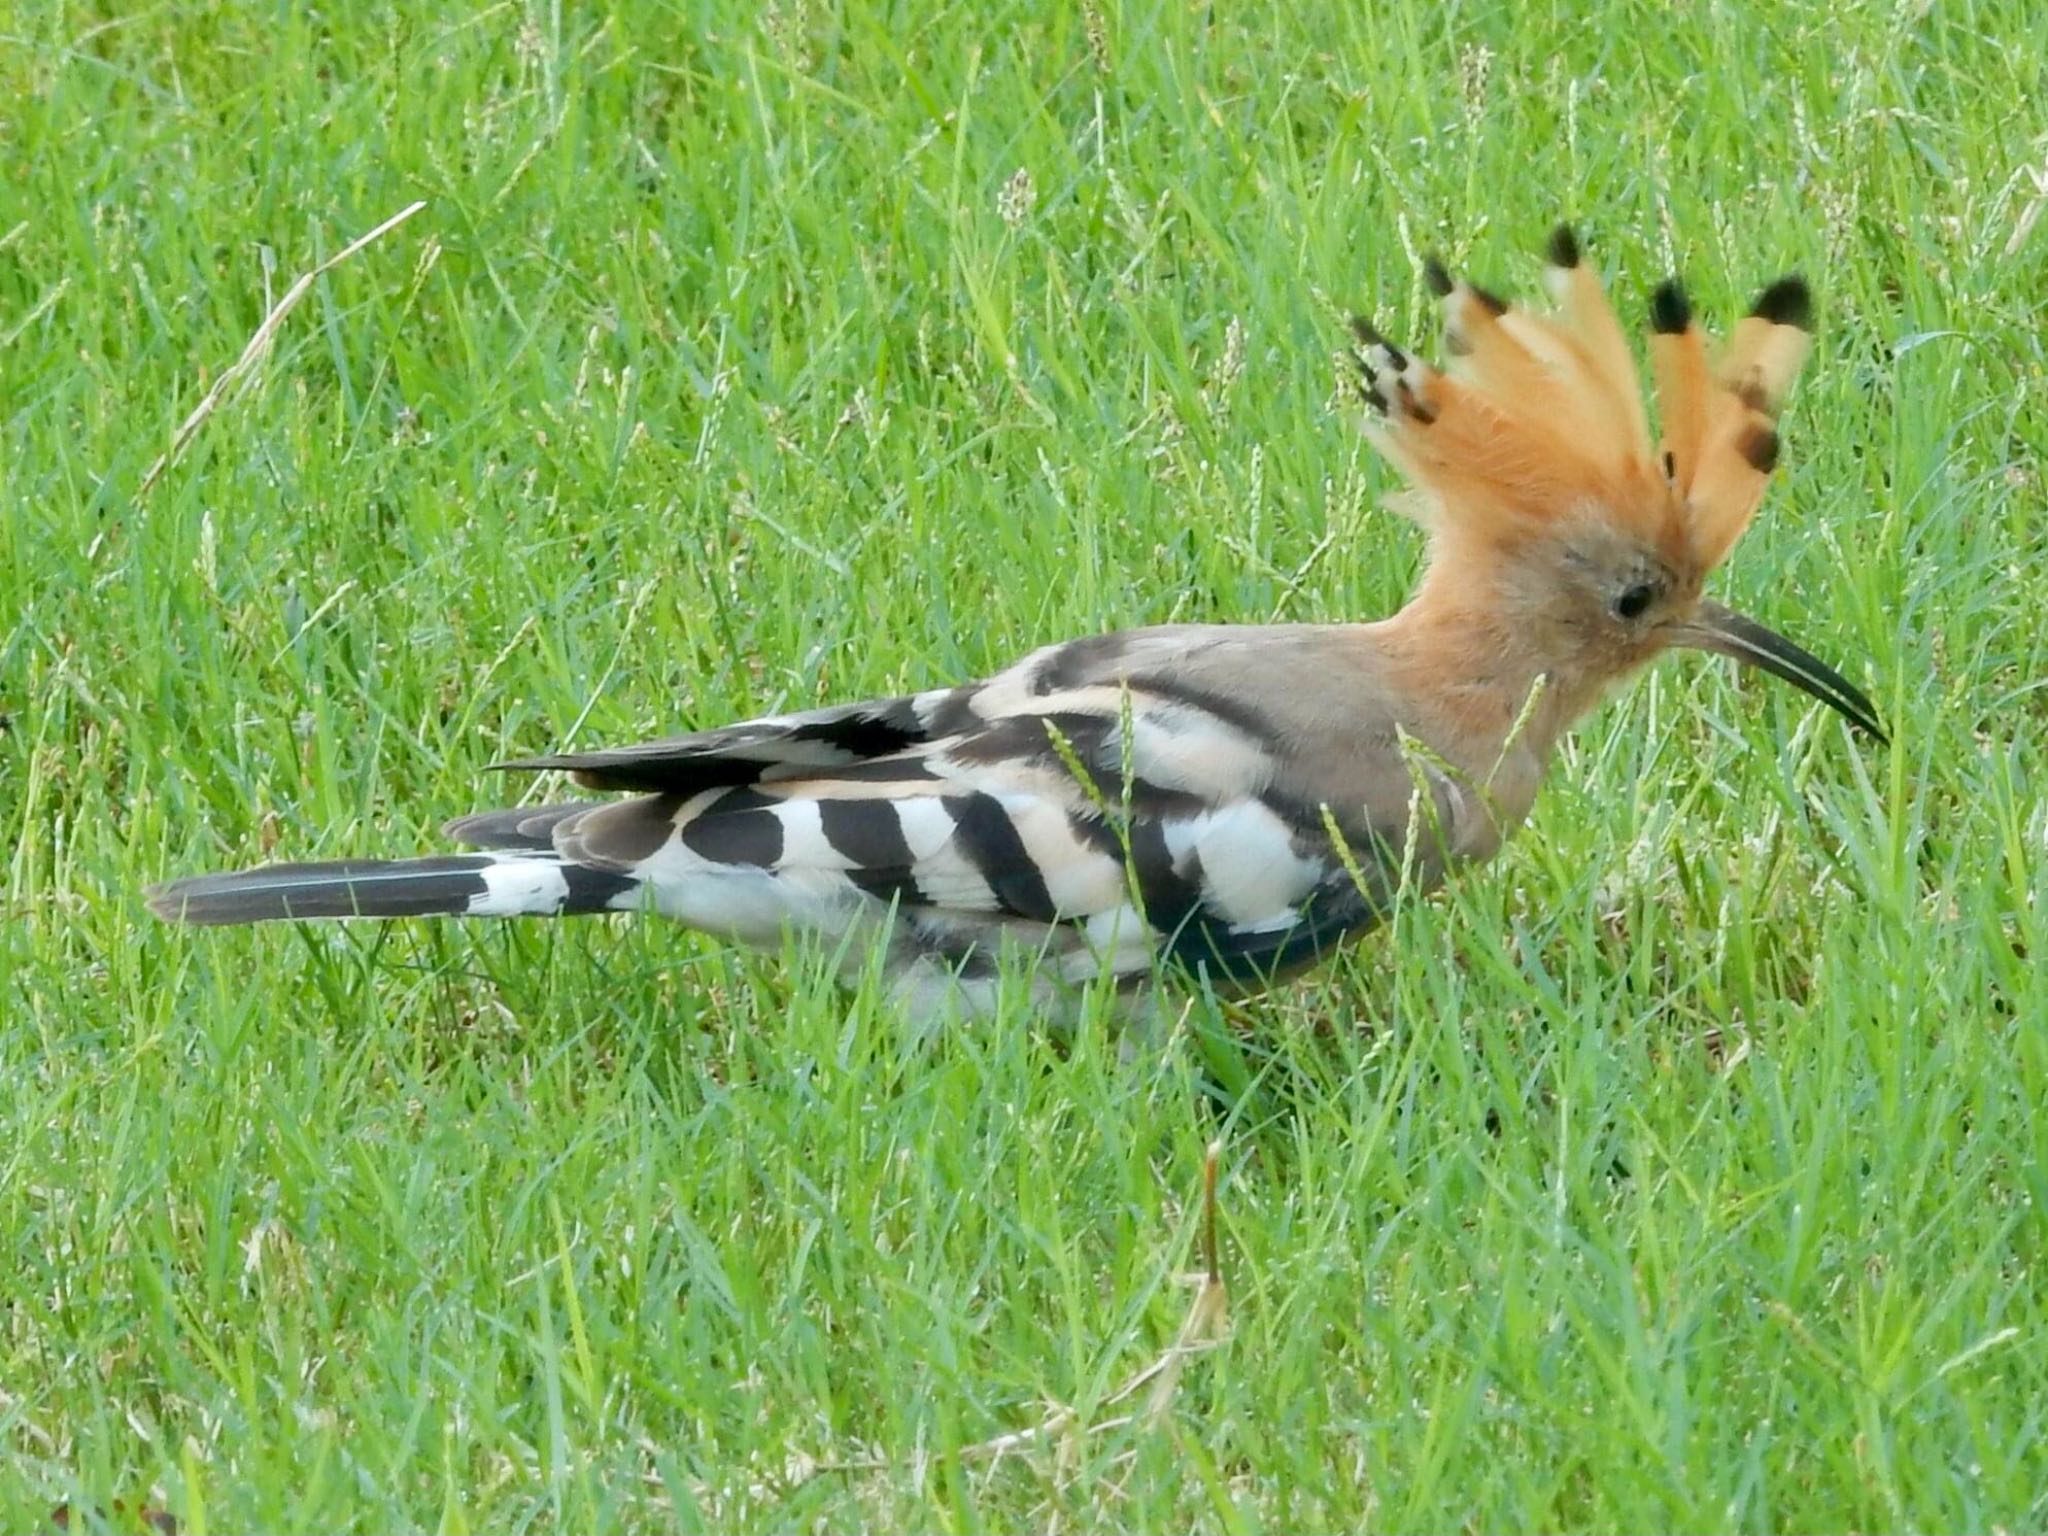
(1788, 301)
(1487, 299)
(1670, 311)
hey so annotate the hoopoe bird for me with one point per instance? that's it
(1227, 800)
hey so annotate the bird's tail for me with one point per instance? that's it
(501, 884)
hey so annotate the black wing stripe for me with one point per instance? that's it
(1078, 662)
(876, 732)
(897, 885)
(985, 836)
(1169, 898)
(1237, 713)
(880, 770)
(1334, 912)
(740, 754)
(735, 837)
(950, 712)
(868, 832)
(683, 774)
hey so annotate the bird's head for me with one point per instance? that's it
(1550, 510)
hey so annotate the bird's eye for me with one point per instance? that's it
(1632, 603)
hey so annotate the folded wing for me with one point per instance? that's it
(1108, 802)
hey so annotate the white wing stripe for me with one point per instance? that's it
(1077, 877)
(1249, 867)
(804, 844)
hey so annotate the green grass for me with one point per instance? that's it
(1687, 1168)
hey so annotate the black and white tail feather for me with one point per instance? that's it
(1105, 805)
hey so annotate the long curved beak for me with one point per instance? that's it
(1715, 628)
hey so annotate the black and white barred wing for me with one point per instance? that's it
(1103, 825)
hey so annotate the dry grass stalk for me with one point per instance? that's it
(259, 347)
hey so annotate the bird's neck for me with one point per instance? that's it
(1480, 689)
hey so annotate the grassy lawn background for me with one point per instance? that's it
(1688, 1168)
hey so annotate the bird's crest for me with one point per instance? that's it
(1539, 416)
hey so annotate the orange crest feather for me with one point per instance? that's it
(1540, 416)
